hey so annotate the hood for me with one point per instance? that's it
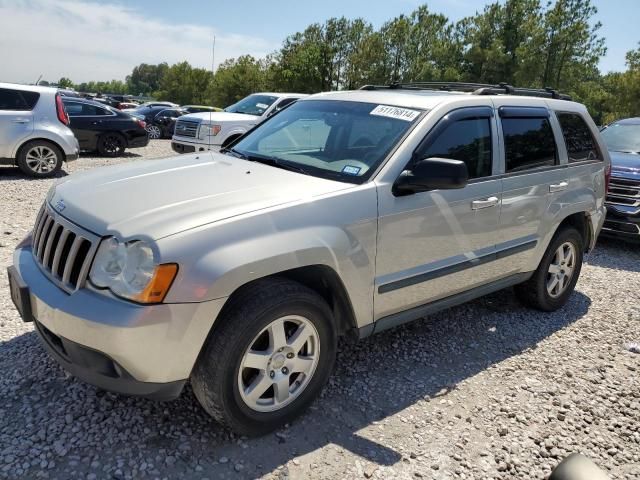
(157, 198)
(220, 117)
(625, 165)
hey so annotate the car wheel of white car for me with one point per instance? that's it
(268, 358)
(40, 159)
(154, 132)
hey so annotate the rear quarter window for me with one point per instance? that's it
(17, 100)
(581, 145)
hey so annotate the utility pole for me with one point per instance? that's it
(213, 56)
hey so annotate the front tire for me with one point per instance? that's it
(111, 144)
(268, 357)
(40, 159)
(555, 278)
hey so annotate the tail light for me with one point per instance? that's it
(607, 177)
(60, 111)
(142, 123)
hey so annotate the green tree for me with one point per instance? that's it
(237, 78)
(184, 84)
(145, 78)
(64, 82)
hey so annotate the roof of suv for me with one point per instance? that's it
(428, 99)
(627, 121)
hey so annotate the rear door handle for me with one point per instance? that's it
(21, 120)
(558, 187)
(485, 203)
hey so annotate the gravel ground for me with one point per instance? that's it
(484, 390)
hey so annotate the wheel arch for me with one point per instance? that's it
(232, 138)
(35, 139)
(323, 280)
(107, 132)
(581, 222)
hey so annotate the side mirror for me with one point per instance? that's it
(432, 174)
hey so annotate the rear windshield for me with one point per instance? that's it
(17, 99)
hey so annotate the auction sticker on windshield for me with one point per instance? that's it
(395, 112)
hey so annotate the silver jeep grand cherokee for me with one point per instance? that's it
(346, 213)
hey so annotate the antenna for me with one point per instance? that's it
(213, 75)
(38, 81)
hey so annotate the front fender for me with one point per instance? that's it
(218, 259)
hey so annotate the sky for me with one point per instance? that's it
(103, 40)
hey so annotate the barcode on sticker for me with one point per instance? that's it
(395, 112)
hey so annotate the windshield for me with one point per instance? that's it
(252, 105)
(332, 139)
(621, 137)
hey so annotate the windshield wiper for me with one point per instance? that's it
(272, 161)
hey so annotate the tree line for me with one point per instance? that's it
(525, 43)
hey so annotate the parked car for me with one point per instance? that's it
(34, 132)
(348, 213)
(163, 123)
(148, 113)
(623, 199)
(126, 105)
(213, 131)
(199, 108)
(69, 93)
(160, 104)
(105, 129)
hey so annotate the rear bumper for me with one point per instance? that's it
(139, 141)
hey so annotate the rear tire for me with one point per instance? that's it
(267, 358)
(40, 159)
(111, 144)
(555, 278)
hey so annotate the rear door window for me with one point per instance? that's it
(577, 136)
(528, 143)
(17, 100)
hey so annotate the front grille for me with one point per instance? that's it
(624, 192)
(62, 250)
(186, 128)
(621, 226)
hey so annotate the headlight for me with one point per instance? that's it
(130, 271)
(211, 130)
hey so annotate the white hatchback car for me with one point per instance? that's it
(34, 132)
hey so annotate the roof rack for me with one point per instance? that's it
(474, 88)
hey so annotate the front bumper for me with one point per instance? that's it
(620, 225)
(114, 344)
(182, 146)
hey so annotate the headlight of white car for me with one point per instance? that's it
(211, 130)
(130, 271)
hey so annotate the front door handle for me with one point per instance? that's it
(558, 187)
(485, 203)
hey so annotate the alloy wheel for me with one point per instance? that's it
(279, 363)
(561, 269)
(154, 132)
(41, 159)
(112, 144)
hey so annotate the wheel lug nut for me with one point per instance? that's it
(272, 374)
(285, 370)
(289, 355)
